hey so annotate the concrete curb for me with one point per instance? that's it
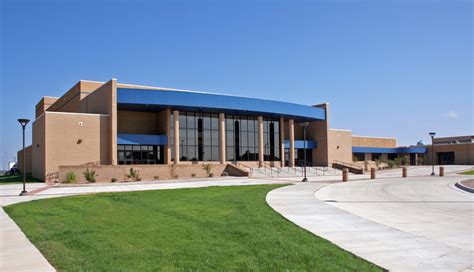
(464, 188)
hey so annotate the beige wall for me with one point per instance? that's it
(137, 122)
(463, 153)
(147, 172)
(28, 159)
(340, 145)
(365, 141)
(69, 139)
(44, 104)
(104, 101)
(38, 153)
(319, 131)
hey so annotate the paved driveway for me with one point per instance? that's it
(420, 223)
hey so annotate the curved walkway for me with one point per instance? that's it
(375, 221)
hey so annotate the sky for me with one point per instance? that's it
(387, 68)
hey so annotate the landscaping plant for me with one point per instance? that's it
(404, 160)
(134, 175)
(207, 167)
(71, 177)
(90, 175)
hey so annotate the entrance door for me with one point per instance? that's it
(412, 159)
(300, 157)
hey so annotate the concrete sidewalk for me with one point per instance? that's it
(386, 246)
(17, 253)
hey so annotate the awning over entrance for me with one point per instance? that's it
(142, 139)
(299, 144)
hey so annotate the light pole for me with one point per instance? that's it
(23, 123)
(304, 125)
(432, 134)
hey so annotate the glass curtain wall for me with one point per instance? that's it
(140, 154)
(242, 138)
(198, 136)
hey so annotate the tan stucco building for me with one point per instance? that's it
(115, 125)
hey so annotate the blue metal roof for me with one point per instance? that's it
(300, 144)
(146, 99)
(141, 139)
(400, 150)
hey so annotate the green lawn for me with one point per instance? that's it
(12, 179)
(215, 228)
(470, 172)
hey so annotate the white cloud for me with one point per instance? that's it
(452, 115)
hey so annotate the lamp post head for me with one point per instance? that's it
(304, 124)
(432, 134)
(23, 122)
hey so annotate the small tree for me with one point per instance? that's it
(134, 175)
(207, 167)
(366, 165)
(114, 179)
(90, 175)
(71, 177)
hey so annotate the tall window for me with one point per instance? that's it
(241, 138)
(271, 139)
(198, 136)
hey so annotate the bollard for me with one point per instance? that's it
(372, 173)
(441, 171)
(404, 172)
(345, 175)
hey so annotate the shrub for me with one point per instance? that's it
(366, 165)
(134, 175)
(90, 175)
(71, 177)
(207, 167)
(114, 179)
(397, 161)
(193, 175)
(404, 160)
(390, 163)
(173, 171)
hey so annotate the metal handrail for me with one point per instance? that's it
(270, 168)
(243, 166)
(348, 164)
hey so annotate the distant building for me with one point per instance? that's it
(452, 150)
